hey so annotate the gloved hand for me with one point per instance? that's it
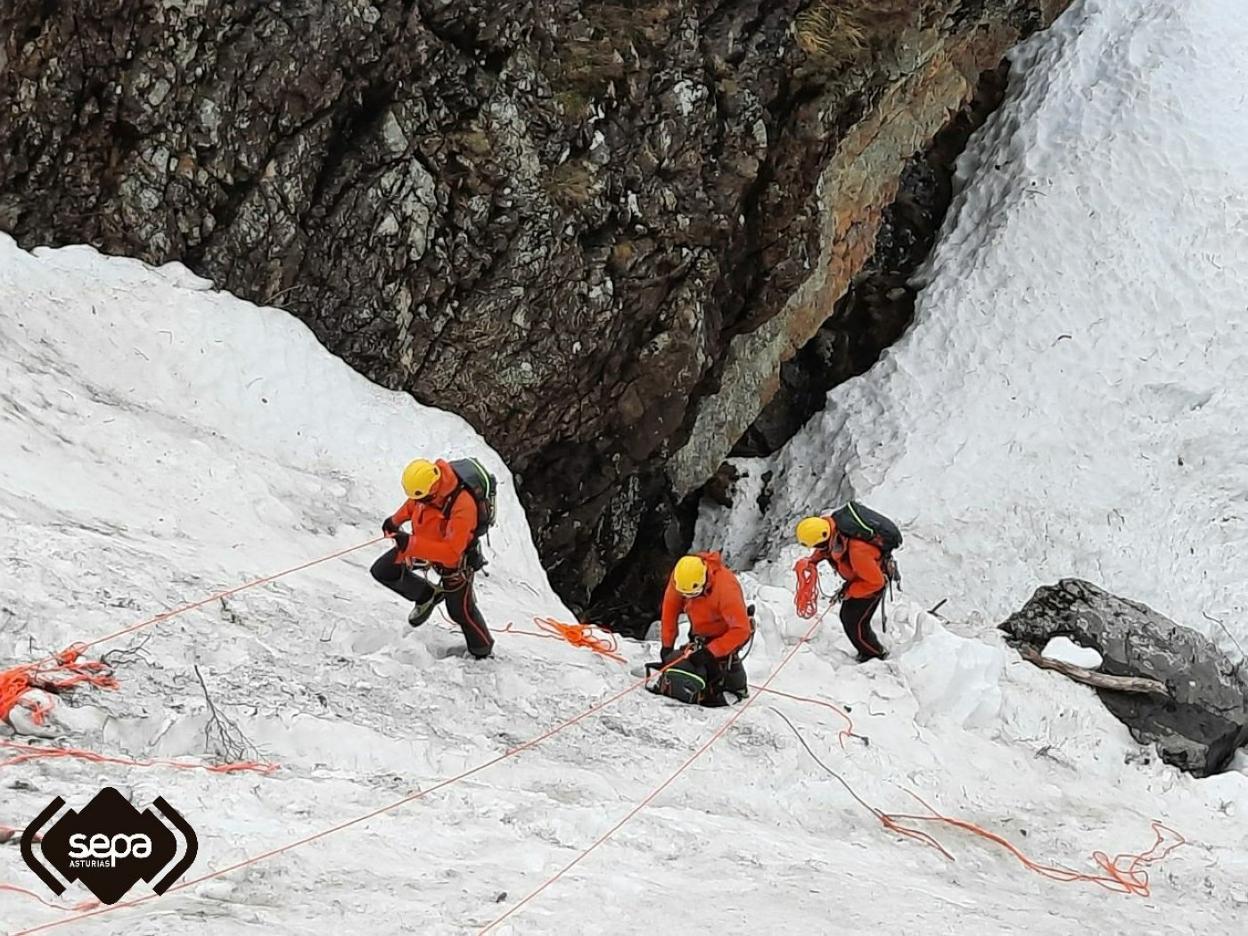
(389, 527)
(666, 653)
(840, 595)
(704, 659)
(401, 539)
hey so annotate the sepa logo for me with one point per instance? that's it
(110, 846)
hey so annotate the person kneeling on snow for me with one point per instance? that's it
(705, 590)
(862, 564)
(443, 513)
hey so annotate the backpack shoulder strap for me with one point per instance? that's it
(451, 498)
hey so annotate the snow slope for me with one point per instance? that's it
(159, 441)
(1071, 398)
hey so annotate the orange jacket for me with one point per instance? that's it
(439, 537)
(717, 614)
(858, 563)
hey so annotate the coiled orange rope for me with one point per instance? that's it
(62, 672)
(578, 635)
(806, 597)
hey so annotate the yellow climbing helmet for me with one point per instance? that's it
(689, 576)
(420, 478)
(814, 531)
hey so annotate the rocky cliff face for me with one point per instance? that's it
(595, 229)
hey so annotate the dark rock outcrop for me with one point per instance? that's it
(1204, 721)
(595, 228)
(878, 306)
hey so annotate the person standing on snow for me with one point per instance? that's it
(706, 591)
(444, 515)
(862, 566)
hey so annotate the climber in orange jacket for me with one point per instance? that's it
(860, 564)
(707, 592)
(443, 517)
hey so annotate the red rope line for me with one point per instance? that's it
(32, 752)
(84, 905)
(846, 732)
(1131, 879)
(389, 807)
(226, 593)
(18, 680)
(650, 797)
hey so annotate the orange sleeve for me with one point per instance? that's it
(672, 604)
(403, 514)
(864, 559)
(447, 550)
(731, 606)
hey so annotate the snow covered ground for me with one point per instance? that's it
(159, 441)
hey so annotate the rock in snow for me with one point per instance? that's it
(1206, 718)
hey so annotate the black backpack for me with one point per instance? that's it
(857, 521)
(476, 479)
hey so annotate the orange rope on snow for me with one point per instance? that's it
(226, 593)
(582, 635)
(1129, 879)
(31, 752)
(84, 905)
(806, 596)
(846, 732)
(96, 910)
(578, 635)
(650, 797)
(15, 682)
(62, 672)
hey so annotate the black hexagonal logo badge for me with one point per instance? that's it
(110, 846)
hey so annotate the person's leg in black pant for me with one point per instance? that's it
(461, 605)
(415, 588)
(856, 614)
(735, 680)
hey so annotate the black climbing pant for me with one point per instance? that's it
(455, 590)
(856, 614)
(708, 684)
